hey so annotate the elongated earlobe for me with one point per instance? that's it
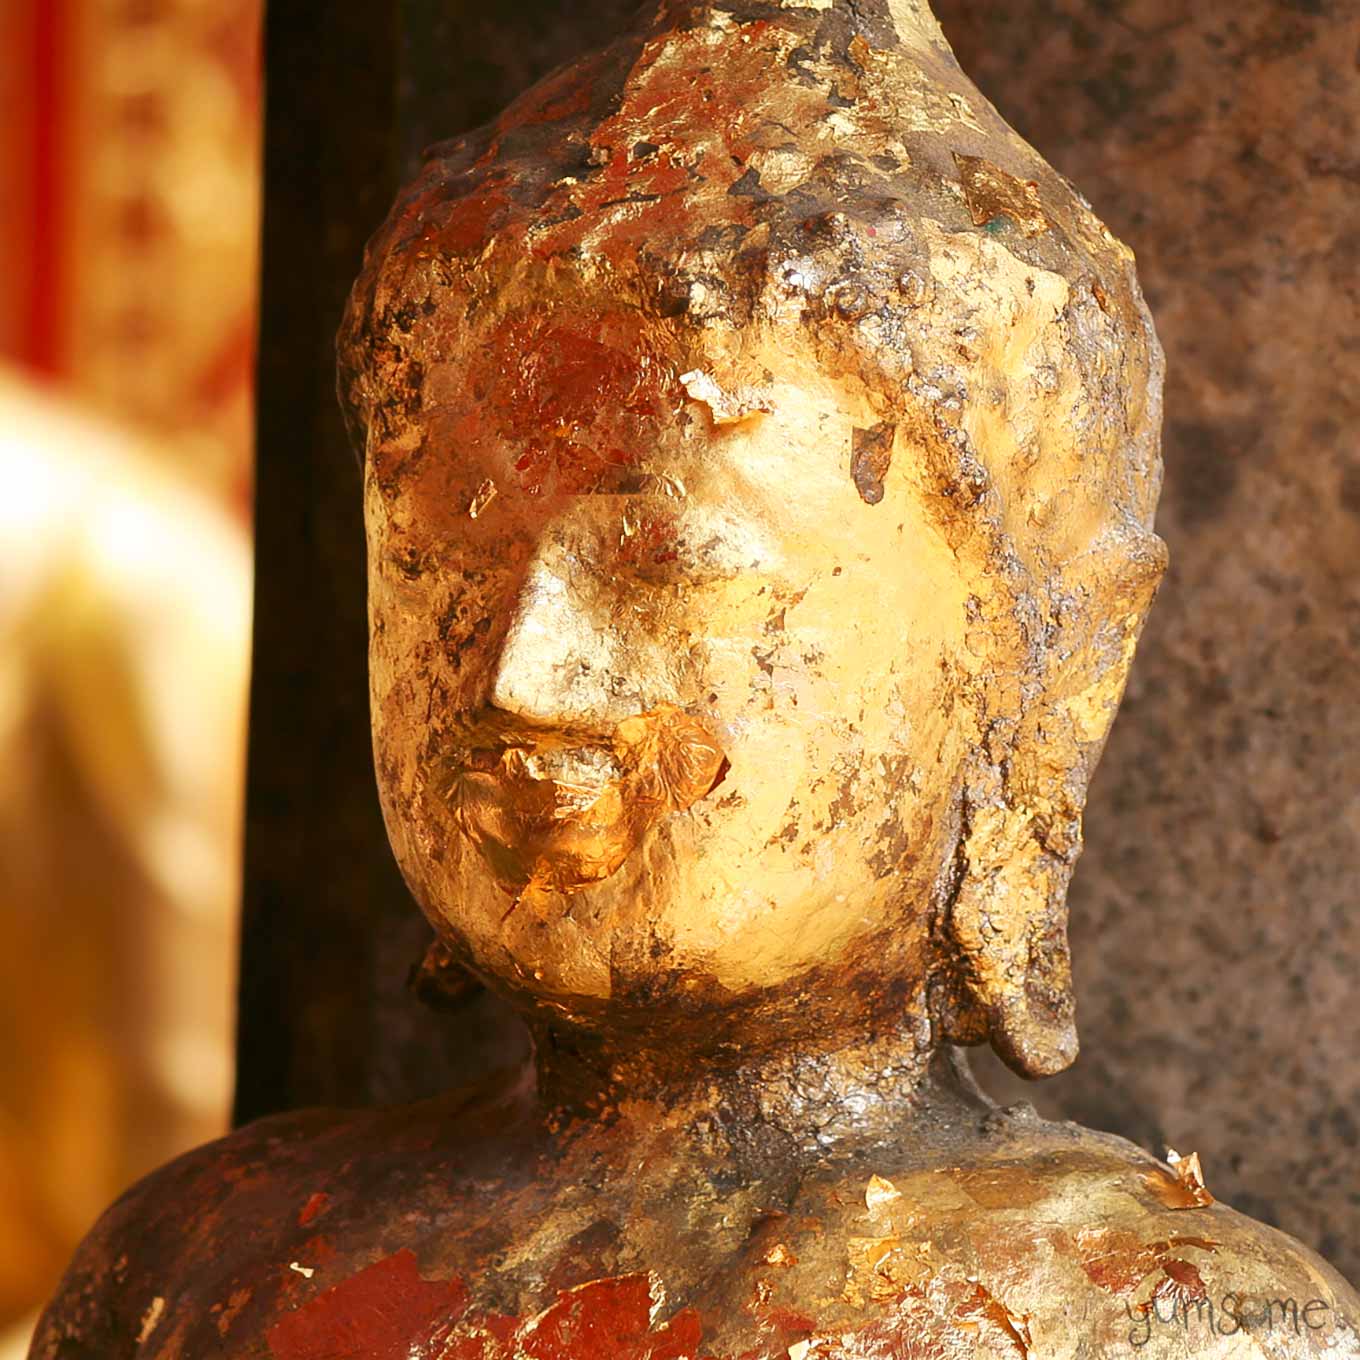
(1008, 923)
(1033, 1026)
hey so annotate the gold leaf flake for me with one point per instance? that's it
(879, 1193)
(1189, 1173)
(150, 1319)
(991, 193)
(985, 1308)
(485, 494)
(726, 408)
(1184, 1190)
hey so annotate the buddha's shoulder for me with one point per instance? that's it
(233, 1231)
(1059, 1242)
(326, 1235)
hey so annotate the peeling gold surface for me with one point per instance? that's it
(828, 423)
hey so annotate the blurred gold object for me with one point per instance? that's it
(124, 624)
(161, 256)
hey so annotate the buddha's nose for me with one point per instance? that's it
(564, 661)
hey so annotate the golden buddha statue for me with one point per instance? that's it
(761, 449)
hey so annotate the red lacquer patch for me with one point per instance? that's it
(313, 1207)
(577, 402)
(608, 1320)
(386, 1312)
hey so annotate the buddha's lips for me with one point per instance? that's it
(561, 813)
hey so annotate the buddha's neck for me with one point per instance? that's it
(841, 1090)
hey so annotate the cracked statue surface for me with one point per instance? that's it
(761, 450)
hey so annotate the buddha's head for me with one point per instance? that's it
(753, 583)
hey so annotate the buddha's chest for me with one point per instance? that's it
(394, 1310)
(940, 1265)
(605, 1275)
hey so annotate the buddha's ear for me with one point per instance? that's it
(1008, 928)
(1019, 839)
(1020, 818)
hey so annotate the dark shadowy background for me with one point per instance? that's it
(1214, 921)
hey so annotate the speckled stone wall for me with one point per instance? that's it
(1215, 916)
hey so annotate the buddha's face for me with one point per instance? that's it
(760, 519)
(665, 666)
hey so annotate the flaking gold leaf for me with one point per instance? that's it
(991, 193)
(1179, 1191)
(484, 495)
(985, 1308)
(880, 1192)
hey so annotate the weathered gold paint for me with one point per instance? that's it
(872, 509)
